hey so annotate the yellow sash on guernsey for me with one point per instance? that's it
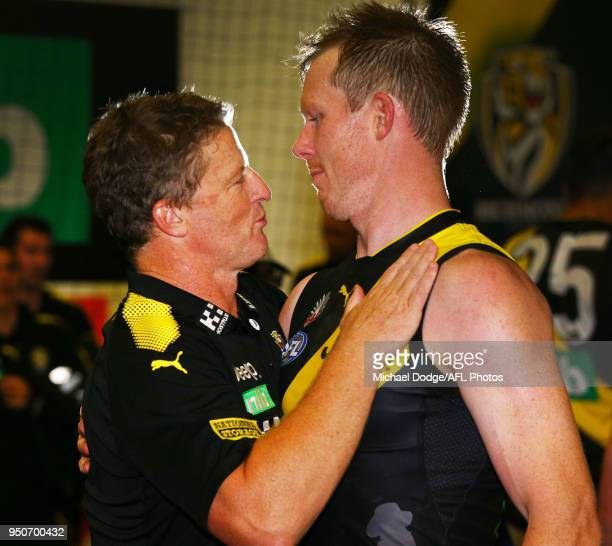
(447, 239)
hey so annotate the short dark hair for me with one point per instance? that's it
(398, 50)
(146, 148)
(4, 245)
(13, 229)
(8, 248)
(591, 166)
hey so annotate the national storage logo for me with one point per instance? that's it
(235, 428)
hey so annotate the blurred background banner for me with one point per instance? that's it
(540, 83)
(45, 105)
(65, 61)
(539, 70)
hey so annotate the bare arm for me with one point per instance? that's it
(276, 494)
(605, 496)
(529, 432)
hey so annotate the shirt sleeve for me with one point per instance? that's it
(180, 419)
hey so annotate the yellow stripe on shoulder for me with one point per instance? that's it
(459, 235)
(151, 322)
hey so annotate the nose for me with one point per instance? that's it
(260, 191)
(303, 147)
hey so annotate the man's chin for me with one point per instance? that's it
(260, 253)
(334, 211)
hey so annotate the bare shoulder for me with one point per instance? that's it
(479, 295)
(287, 311)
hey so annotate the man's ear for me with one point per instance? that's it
(169, 218)
(384, 111)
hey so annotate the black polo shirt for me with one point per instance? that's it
(180, 392)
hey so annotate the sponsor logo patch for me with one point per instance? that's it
(346, 293)
(246, 371)
(157, 364)
(294, 348)
(317, 310)
(235, 428)
(254, 324)
(214, 318)
(278, 339)
(258, 400)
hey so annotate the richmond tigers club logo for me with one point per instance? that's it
(526, 117)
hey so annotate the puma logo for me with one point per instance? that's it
(157, 364)
(345, 293)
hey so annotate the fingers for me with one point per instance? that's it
(357, 294)
(396, 267)
(82, 446)
(418, 264)
(421, 290)
(84, 465)
(411, 264)
(84, 461)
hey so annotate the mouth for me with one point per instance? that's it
(261, 221)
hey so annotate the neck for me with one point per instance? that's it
(9, 316)
(31, 297)
(196, 276)
(417, 193)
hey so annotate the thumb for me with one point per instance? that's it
(357, 295)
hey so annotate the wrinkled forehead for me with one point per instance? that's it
(224, 146)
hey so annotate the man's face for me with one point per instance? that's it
(33, 256)
(8, 279)
(226, 214)
(334, 142)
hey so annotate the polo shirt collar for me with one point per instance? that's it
(209, 316)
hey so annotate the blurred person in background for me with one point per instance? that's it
(40, 381)
(269, 270)
(340, 241)
(571, 262)
(32, 241)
